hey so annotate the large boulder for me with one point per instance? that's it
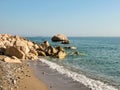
(41, 53)
(14, 51)
(61, 54)
(59, 37)
(50, 51)
(43, 46)
(46, 44)
(23, 45)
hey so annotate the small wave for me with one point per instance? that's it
(93, 84)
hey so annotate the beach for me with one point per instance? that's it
(46, 65)
(35, 75)
(60, 45)
(55, 80)
(21, 69)
(19, 77)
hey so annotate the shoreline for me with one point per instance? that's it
(16, 74)
(89, 83)
(54, 79)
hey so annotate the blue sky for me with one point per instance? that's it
(71, 17)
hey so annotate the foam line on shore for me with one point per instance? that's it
(93, 84)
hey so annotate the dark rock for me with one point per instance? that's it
(41, 53)
(59, 48)
(65, 42)
(2, 51)
(76, 53)
(71, 47)
(51, 51)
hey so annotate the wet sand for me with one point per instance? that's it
(53, 79)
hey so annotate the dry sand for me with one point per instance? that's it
(19, 77)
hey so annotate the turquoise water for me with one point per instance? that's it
(99, 57)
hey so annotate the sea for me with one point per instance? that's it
(96, 64)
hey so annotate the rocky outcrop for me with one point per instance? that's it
(60, 37)
(17, 46)
(21, 48)
(48, 50)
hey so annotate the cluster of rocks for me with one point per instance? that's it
(45, 49)
(16, 47)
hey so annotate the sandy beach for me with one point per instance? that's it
(20, 68)
(34, 75)
(53, 79)
(19, 77)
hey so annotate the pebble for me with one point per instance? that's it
(43, 73)
(18, 77)
(13, 81)
(50, 86)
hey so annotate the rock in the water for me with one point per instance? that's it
(76, 53)
(51, 51)
(59, 37)
(59, 48)
(46, 44)
(65, 42)
(71, 47)
(43, 46)
(61, 55)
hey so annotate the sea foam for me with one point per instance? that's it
(93, 84)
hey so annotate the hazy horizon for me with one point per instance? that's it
(78, 18)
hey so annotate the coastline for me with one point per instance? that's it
(16, 74)
(38, 75)
(54, 79)
(45, 68)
